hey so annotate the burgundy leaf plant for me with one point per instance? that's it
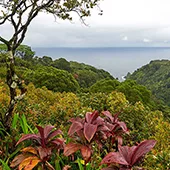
(116, 128)
(83, 133)
(44, 143)
(127, 157)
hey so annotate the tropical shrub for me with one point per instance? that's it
(104, 85)
(127, 157)
(160, 131)
(116, 101)
(95, 101)
(52, 78)
(40, 153)
(84, 132)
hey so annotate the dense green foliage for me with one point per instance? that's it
(132, 90)
(52, 78)
(87, 75)
(156, 77)
(23, 51)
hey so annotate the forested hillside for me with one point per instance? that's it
(72, 75)
(61, 75)
(156, 77)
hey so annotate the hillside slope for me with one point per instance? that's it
(156, 77)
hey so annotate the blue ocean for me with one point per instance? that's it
(117, 61)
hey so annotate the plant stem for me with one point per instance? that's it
(85, 165)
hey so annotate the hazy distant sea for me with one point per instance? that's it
(117, 61)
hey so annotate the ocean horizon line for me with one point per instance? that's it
(101, 47)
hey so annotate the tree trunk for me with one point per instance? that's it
(13, 82)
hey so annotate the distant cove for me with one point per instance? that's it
(117, 61)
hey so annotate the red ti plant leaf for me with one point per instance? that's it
(70, 148)
(114, 158)
(44, 153)
(114, 123)
(54, 134)
(17, 160)
(127, 153)
(76, 126)
(116, 128)
(143, 148)
(29, 163)
(41, 131)
(123, 126)
(90, 117)
(41, 151)
(89, 131)
(29, 136)
(59, 142)
(109, 115)
(84, 132)
(47, 130)
(86, 153)
(45, 136)
(127, 156)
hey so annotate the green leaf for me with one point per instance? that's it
(80, 164)
(15, 120)
(88, 166)
(5, 165)
(57, 165)
(24, 125)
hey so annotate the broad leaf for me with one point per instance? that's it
(103, 128)
(29, 136)
(30, 150)
(114, 157)
(29, 163)
(116, 117)
(86, 153)
(109, 115)
(125, 168)
(58, 141)
(76, 126)
(98, 121)
(90, 117)
(120, 140)
(123, 126)
(127, 152)
(77, 119)
(111, 126)
(142, 149)
(47, 130)
(44, 153)
(70, 148)
(89, 131)
(53, 134)
(17, 160)
(42, 135)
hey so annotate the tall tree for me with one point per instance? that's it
(20, 14)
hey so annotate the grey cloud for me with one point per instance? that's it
(54, 34)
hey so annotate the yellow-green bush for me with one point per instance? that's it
(159, 158)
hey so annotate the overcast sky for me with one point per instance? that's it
(124, 23)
